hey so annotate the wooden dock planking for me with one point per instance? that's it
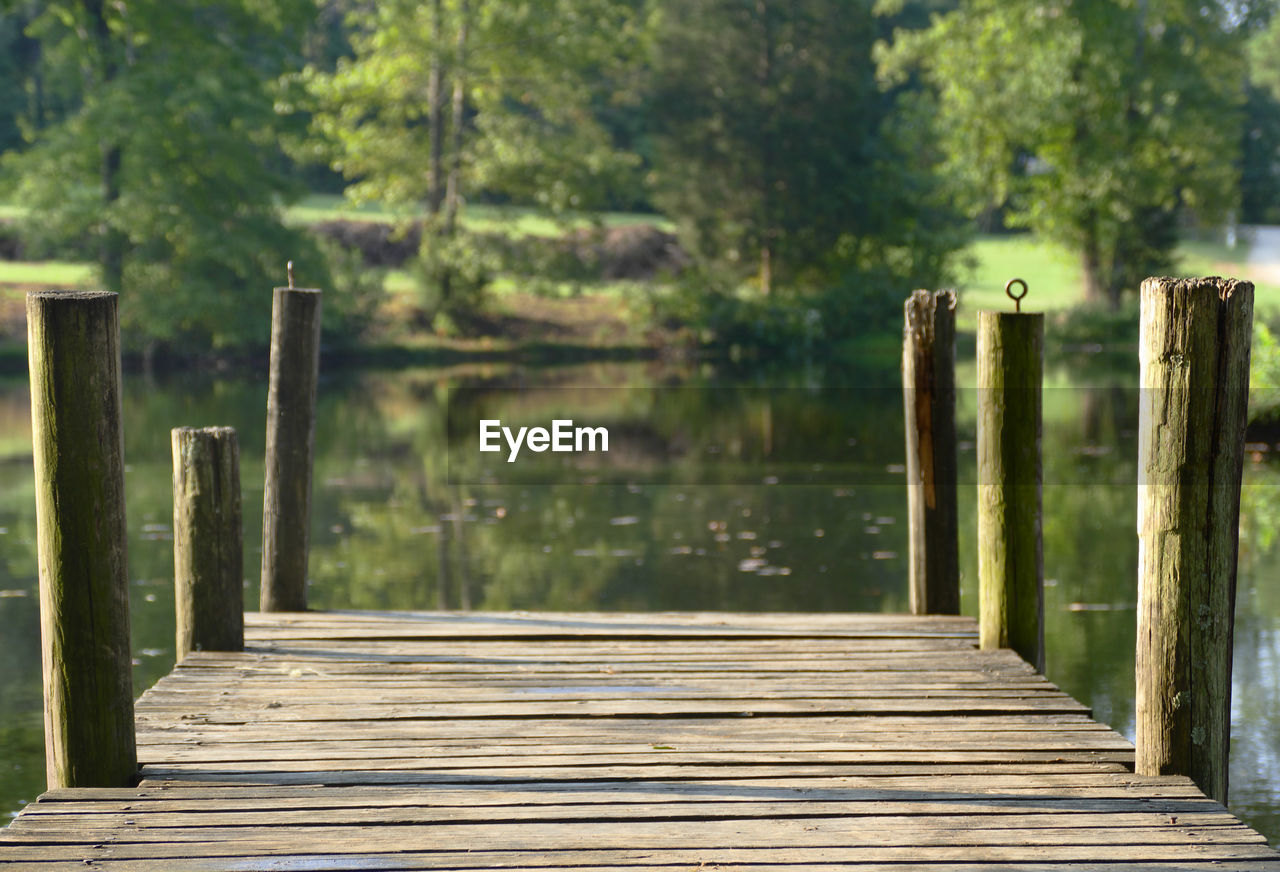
(345, 741)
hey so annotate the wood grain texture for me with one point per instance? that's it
(1010, 540)
(291, 416)
(519, 745)
(929, 402)
(1194, 359)
(208, 549)
(73, 343)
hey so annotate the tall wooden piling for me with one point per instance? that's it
(929, 400)
(291, 414)
(1010, 553)
(73, 346)
(1194, 358)
(208, 551)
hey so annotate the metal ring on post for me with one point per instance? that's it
(1017, 299)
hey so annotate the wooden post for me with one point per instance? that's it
(291, 415)
(929, 399)
(1194, 357)
(208, 554)
(1010, 553)
(73, 347)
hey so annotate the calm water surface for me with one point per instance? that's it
(729, 491)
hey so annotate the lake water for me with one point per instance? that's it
(724, 490)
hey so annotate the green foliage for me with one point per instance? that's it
(519, 82)
(1095, 122)
(451, 274)
(167, 160)
(1264, 369)
(779, 154)
(1260, 158)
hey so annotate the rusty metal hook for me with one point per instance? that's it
(1017, 300)
(289, 267)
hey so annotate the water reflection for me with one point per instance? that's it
(707, 516)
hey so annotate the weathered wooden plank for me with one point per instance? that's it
(625, 752)
(1023, 813)
(868, 788)
(740, 843)
(412, 861)
(1084, 829)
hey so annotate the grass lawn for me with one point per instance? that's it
(45, 273)
(515, 220)
(1054, 280)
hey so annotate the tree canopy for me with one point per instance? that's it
(776, 148)
(165, 163)
(1096, 122)
(452, 97)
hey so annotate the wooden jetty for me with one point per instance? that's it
(410, 740)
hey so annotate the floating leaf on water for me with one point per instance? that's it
(751, 564)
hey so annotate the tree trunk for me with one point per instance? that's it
(111, 245)
(435, 114)
(453, 193)
(1095, 291)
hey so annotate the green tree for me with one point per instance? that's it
(1096, 122)
(778, 152)
(1260, 163)
(452, 98)
(167, 160)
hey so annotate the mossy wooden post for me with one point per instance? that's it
(1010, 552)
(208, 552)
(291, 415)
(73, 346)
(1194, 357)
(929, 400)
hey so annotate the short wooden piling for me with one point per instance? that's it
(1010, 553)
(291, 405)
(929, 400)
(208, 552)
(73, 346)
(1194, 357)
